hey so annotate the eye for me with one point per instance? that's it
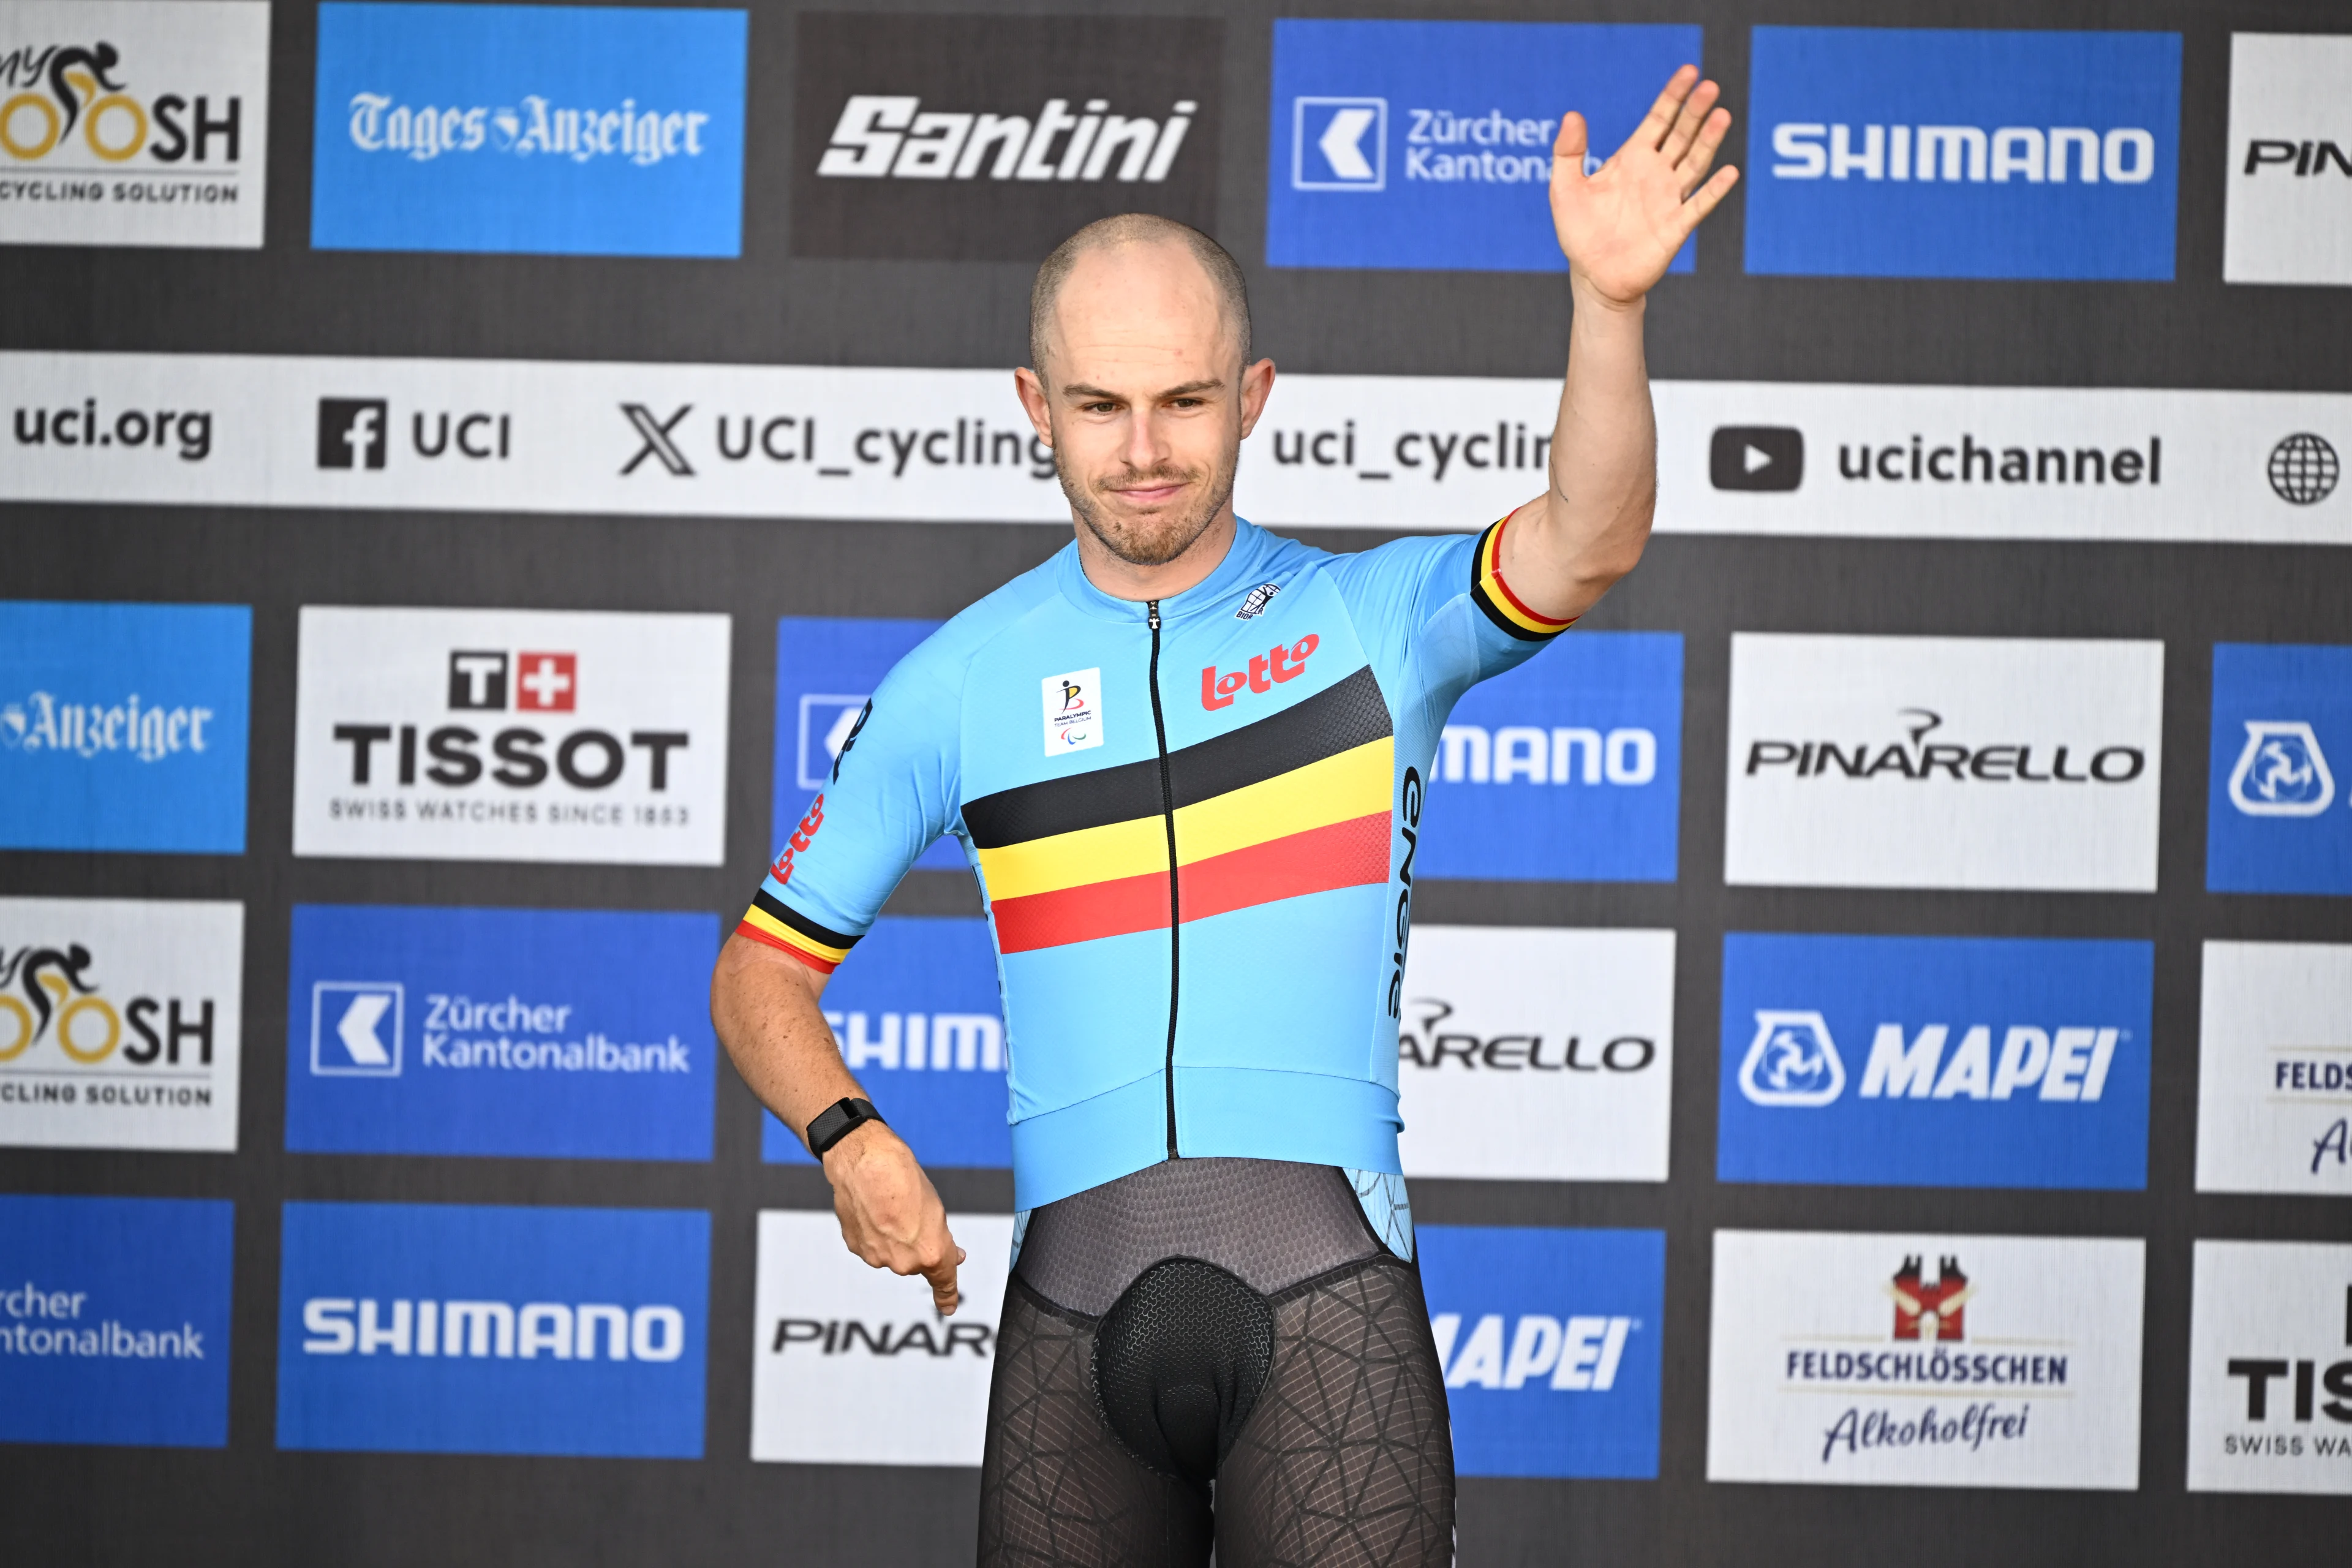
(1098, 408)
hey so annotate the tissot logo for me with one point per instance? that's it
(120, 1022)
(851, 1365)
(1756, 458)
(126, 122)
(2270, 1368)
(952, 137)
(448, 734)
(1882, 1360)
(1935, 1061)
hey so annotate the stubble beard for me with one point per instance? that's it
(1155, 541)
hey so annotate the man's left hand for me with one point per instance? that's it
(1620, 226)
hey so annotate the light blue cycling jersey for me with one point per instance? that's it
(1193, 820)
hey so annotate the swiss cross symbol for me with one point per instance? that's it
(547, 681)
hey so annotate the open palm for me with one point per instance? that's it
(1620, 226)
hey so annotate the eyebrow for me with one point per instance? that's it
(1087, 394)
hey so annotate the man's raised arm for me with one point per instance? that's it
(1620, 229)
(765, 1004)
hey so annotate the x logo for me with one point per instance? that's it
(656, 439)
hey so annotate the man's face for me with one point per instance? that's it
(1144, 399)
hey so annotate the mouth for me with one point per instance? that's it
(1152, 495)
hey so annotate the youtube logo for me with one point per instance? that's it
(1756, 458)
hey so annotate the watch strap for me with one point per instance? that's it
(837, 1121)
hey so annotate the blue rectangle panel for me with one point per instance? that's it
(2278, 820)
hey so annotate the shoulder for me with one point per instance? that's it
(941, 661)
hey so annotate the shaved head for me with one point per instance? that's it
(1137, 229)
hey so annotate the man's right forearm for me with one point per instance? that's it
(765, 1004)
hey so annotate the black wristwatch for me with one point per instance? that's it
(837, 1121)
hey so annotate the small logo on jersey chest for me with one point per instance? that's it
(1276, 663)
(1259, 597)
(1073, 704)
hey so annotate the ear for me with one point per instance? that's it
(1030, 387)
(1258, 385)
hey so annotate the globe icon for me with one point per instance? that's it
(2303, 469)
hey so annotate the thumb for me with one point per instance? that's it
(942, 1277)
(1571, 144)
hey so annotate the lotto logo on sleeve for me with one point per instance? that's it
(123, 726)
(568, 1034)
(1913, 762)
(1567, 769)
(826, 671)
(422, 1328)
(130, 123)
(511, 735)
(1935, 1061)
(1939, 152)
(1537, 1053)
(2278, 819)
(2274, 1069)
(558, 129)
(918, 1017)
(2270, 1369)
(114, 1321)
(853, 1365)
(120, 1022)
(1550, 1340)
(1940, 1361)
(1427, 145)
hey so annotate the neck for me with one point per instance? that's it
(1125, 580)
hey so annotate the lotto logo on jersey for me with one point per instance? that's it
(511, 735)
(916, 1013)
(442, 1328)
(1935, 1061)
(1550, 1340)
(827, 671)
(2278, 819)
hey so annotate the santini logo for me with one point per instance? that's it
(1793, 1061)
(2023, 153)
(1921, 759)
(339, 1325)
(882, 137)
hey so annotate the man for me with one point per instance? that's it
(1187, 761)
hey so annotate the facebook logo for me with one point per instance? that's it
(1939, 152)
(355, 1028)
(1428, 144)
(828, 667)
(1567, 769)
(443, 1328)
(351, 432)
(1552, 1342)
(917, 1012)
(1339, 144)
(2278, 819)
(1935, 1061)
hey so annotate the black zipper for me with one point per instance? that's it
(1175, 915)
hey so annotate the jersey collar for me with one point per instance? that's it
(1236, 573)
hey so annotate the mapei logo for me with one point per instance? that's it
(2282, 772)
(1264, 671)
(355, 433)
(1791, 1061)
(356, 1029)
(882, 136)
(1579, 1354)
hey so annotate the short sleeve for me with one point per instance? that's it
(891, 792)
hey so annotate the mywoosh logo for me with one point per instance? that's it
(119, 1022)
(511, 735)
(130, 123)
(990, 138)
(1944, 762)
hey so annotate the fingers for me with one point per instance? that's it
(1651, 131)
(1694, 168)
(1688, 119)
(1707, 199)
(1570, 145)
(943, 1276)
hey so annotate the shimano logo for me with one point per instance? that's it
(1561, 754)
(2024, 154)
(340, 1325)
(879, 136)
(914, 1042)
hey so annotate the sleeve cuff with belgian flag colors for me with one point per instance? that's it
(1494, 596)
(770, 920)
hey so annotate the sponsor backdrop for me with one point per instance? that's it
(1879, 1011)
